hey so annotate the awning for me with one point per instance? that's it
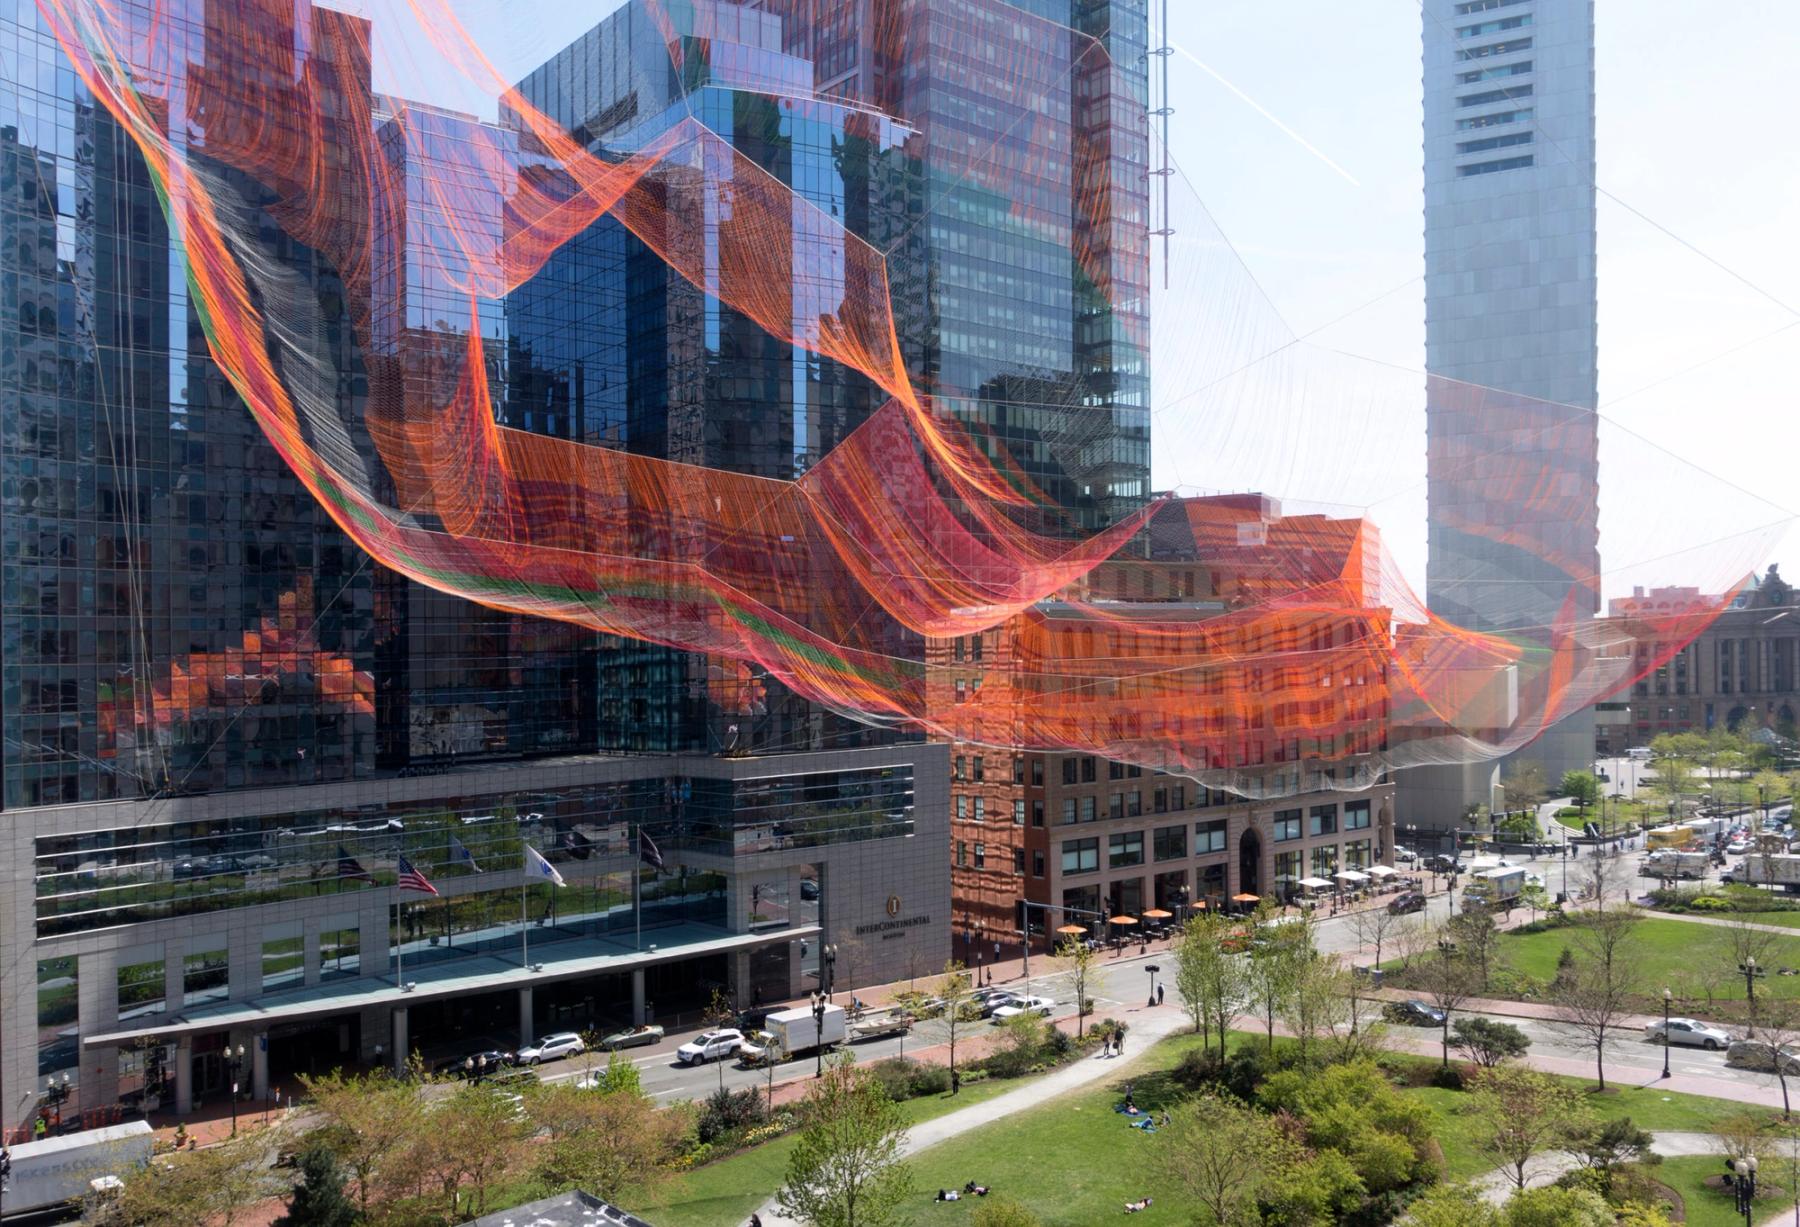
(1315, 883)
(1246, 897)
(1156, 913)
(1352, 875)
(1383, 871)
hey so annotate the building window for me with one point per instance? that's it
(1018, 770)
(1080, 855)
(1510, 94)
(205, 976)
(1159, 800)
(1019, 861)
(1087, 809)
(1489, 168)
(980, 809)
(1287, 825)
(1115, 805)
(961, 770)
(1494, 27)
(1209, 837)
(1037, 863)
(1357, 854)
(1178, 798)
(1037, 773)
(1503, 47)
(1494, 142)
(1134, 803)
(1287, 872)
(1324, 861)
(1170, 843)
(980, 769)
(1069, 768)
(1323, 820)
(340, 952)
(1088, 770)
(962, 690)
(1115, 770)
(142, 989)
(1491, 74)
(1037, 813)
(283, 957)
(962, 853)
(1068, 815)
(1018, 813)
(1495, 119)
(962, 807)
(980, 855)
(1356, 815)
(1125, 849)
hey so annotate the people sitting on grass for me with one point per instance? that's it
(1132, 1207)
(978, 1190)
(949, 1195)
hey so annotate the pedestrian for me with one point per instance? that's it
(756, 1220)
(955, 1082)
(1159, 994)
(1119, 1044)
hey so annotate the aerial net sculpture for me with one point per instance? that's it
(1212, 635)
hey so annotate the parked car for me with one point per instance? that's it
(1689, 1032)
(991, 999)
(809, 888)
(710, 1046)
(1737, 847)
(1407, 901)
(1025, 1005)
(1415, 1014)
(632, 1037)
(1405, 854)
(1441, 864)
(552, 1048)
(1756, 1054)
(482, 1063)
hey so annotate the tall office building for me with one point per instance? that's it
(1511, 351)
(223, 725)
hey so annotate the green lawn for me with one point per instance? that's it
(1648, 1107)
(1711, 1207)
(1671, 952)
(723, 1194)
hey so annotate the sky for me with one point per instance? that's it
(1298, 210)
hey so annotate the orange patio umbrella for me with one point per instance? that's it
(1246, 898)
(1124, 920)
(1157, 913)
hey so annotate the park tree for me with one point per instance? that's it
(1582, 787)
(472, 1140)
(319, 1199)
(1535, 898)
(1317, 999)
(845, 1168)
(1524, 782)
(1523, 1113)
(1596, 993)
(1488, 1043)
(1275, 958)
(1209, 979)
(956, 990)
(216, 1185)
(1448, 980)
(1222, 1157)
(1075, 957)
(612, 1143)
(1778, 1026)
(1477, 939)
(1375, 926)
(1605, 1146)
(368, 1121)
(1740, 1135)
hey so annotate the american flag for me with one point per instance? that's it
(350, 867)
(408, 878)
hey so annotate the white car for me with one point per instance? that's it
(1737, 847)
(710, 1046)
(1405, 854)
(1025, 1005)
(552, 1047)
(1690, 1032)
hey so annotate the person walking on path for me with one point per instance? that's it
(1159, 994)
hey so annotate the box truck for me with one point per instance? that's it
(59, 1171)
(790, 1033)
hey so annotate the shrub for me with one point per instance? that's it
(898, 1076)
(727, 1111)
(1199, 1067)
(931, 1080)
(1712, 903)
(1447, 1077)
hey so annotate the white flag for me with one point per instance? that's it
(537, 867)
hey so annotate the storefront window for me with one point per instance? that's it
(142, 984)
(283, 957)
(205, 976)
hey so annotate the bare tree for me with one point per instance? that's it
(1595, 997)
(1222, 1157)
(1601, 877)
(1449, 981)
(1375, 926)
(1745, 940)
(1523, 1114)
(1078, 960)
(1412, 937)
(956, 990)
(1778, 1026)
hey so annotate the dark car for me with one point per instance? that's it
(809, 889)
(484, 1063)
(752, 1019)
(1407, 901)
(1441, 864)
(1415, 1014)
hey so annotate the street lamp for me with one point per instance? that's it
(818, 1034)
(234, 1061)
(1667, 996)
(56, 1094)
(1152, 968)
(1751, 973)
(1743, 1182)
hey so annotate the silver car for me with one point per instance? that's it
(1689, 1032)
(1757, 1054)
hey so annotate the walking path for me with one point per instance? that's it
(1147, 1027)
(1543, 1169)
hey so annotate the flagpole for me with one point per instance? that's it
(524, 924)
(637, 888)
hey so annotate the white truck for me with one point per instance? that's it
(787, 1034)
(1495, 888)
(62, 1170)
(1781, 871)
(1670, 863)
